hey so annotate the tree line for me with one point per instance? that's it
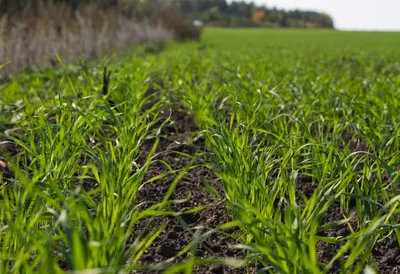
(213, 12)
(241, 13)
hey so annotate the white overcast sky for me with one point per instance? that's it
(349, 14)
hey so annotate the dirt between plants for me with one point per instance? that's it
(179, 233)
(7, 149)
(385, 254)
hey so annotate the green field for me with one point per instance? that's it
(251, 151)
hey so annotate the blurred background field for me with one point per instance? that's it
(32, 31)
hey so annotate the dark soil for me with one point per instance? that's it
(180, 230)
(385, 254)
(5, 171)
(7, 149)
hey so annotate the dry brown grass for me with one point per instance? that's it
(35, 36)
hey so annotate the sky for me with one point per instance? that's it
(382, 15)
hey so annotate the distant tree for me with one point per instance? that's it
(222, 5)
(186, 6)
(258, 17)
(204, 5)
(326, 21)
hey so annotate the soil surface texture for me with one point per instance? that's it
(179, 139)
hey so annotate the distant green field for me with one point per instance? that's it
(346, 39)
(250, 151)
